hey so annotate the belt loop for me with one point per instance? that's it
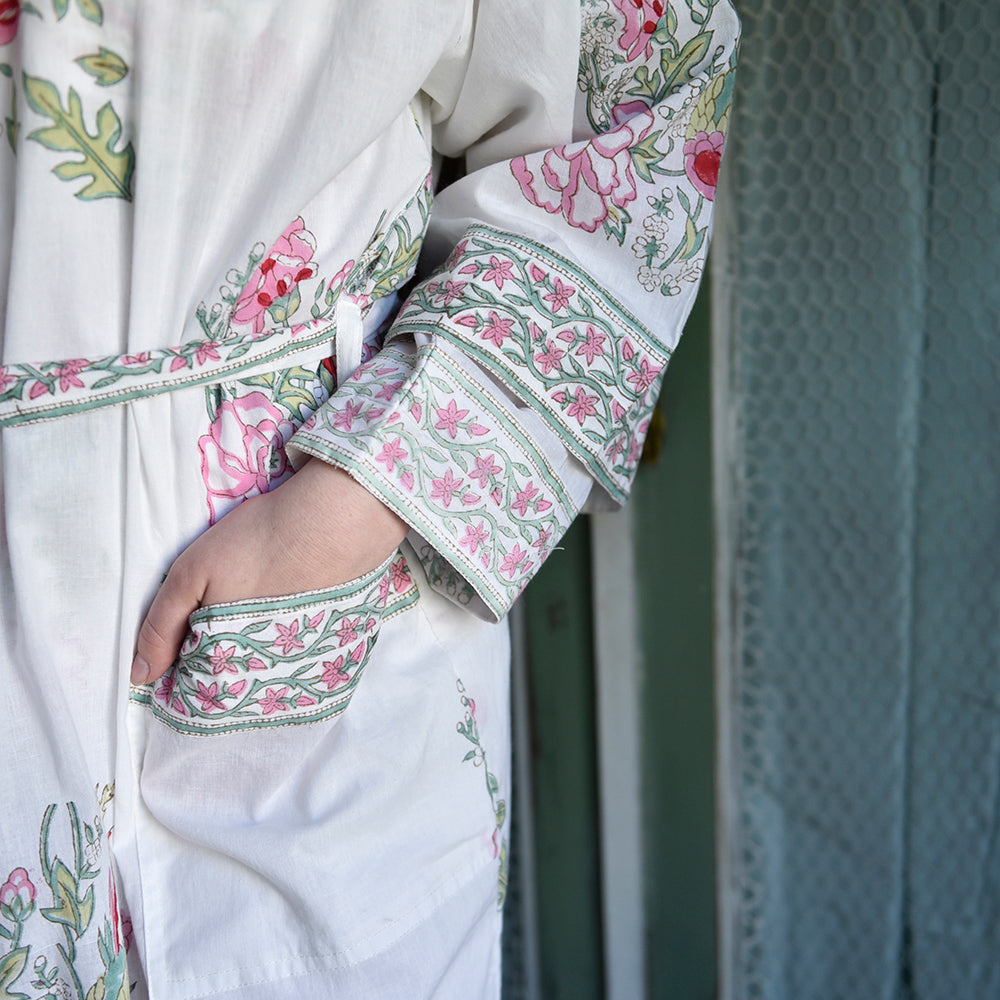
(350, 337)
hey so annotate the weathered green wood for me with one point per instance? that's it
(673, 521)
(558, 620)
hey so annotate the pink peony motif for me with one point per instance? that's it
(641, 17)
(17, 895)
(287, 263)
(6, 379)
(244, 452)
(702, 156)
(10, 13)
(582, 182)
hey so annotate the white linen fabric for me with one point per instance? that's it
(208, 219)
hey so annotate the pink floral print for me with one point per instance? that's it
(243, 454)
(641, 18)
(278, 661)
(702, 157)
(10, 14)
(287, 263)
(17, 895)
(586, 181)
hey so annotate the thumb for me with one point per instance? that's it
(165, 625)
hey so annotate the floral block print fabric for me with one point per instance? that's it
(550, 326)
(209, 248)
(279, 662)
(449, 455)
(555, 338)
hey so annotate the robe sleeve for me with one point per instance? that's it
(520, 377)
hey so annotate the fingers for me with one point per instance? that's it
(165, 626)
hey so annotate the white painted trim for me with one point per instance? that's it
(524, 846)
(618, 660)
(725, 485)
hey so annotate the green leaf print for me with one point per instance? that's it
(106, 67)
(60, 7)
(10, 122)
(29, 8)
(91, 10)
(11, 966)
(109, 170)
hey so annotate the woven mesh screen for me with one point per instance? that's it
(864, 174)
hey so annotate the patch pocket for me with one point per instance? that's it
(278, 661)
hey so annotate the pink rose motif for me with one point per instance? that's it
(702, 156)
(244, 452)
(641, 17)
(17, 896)
(10, 13)
(582, 182)
(287, 263)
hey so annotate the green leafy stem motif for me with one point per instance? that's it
(72, 909)
(469, 728)
(294, 660)
(108, 165)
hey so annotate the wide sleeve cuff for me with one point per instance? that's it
(555, 338)
(450, 456)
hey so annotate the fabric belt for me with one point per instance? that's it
(44, 391)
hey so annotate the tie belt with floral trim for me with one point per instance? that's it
(32, 392)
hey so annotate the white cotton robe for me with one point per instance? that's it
(210, 220)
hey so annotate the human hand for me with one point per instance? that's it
(318, 529)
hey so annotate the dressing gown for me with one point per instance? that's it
(210, 223)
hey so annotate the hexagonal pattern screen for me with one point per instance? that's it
(864, 264)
